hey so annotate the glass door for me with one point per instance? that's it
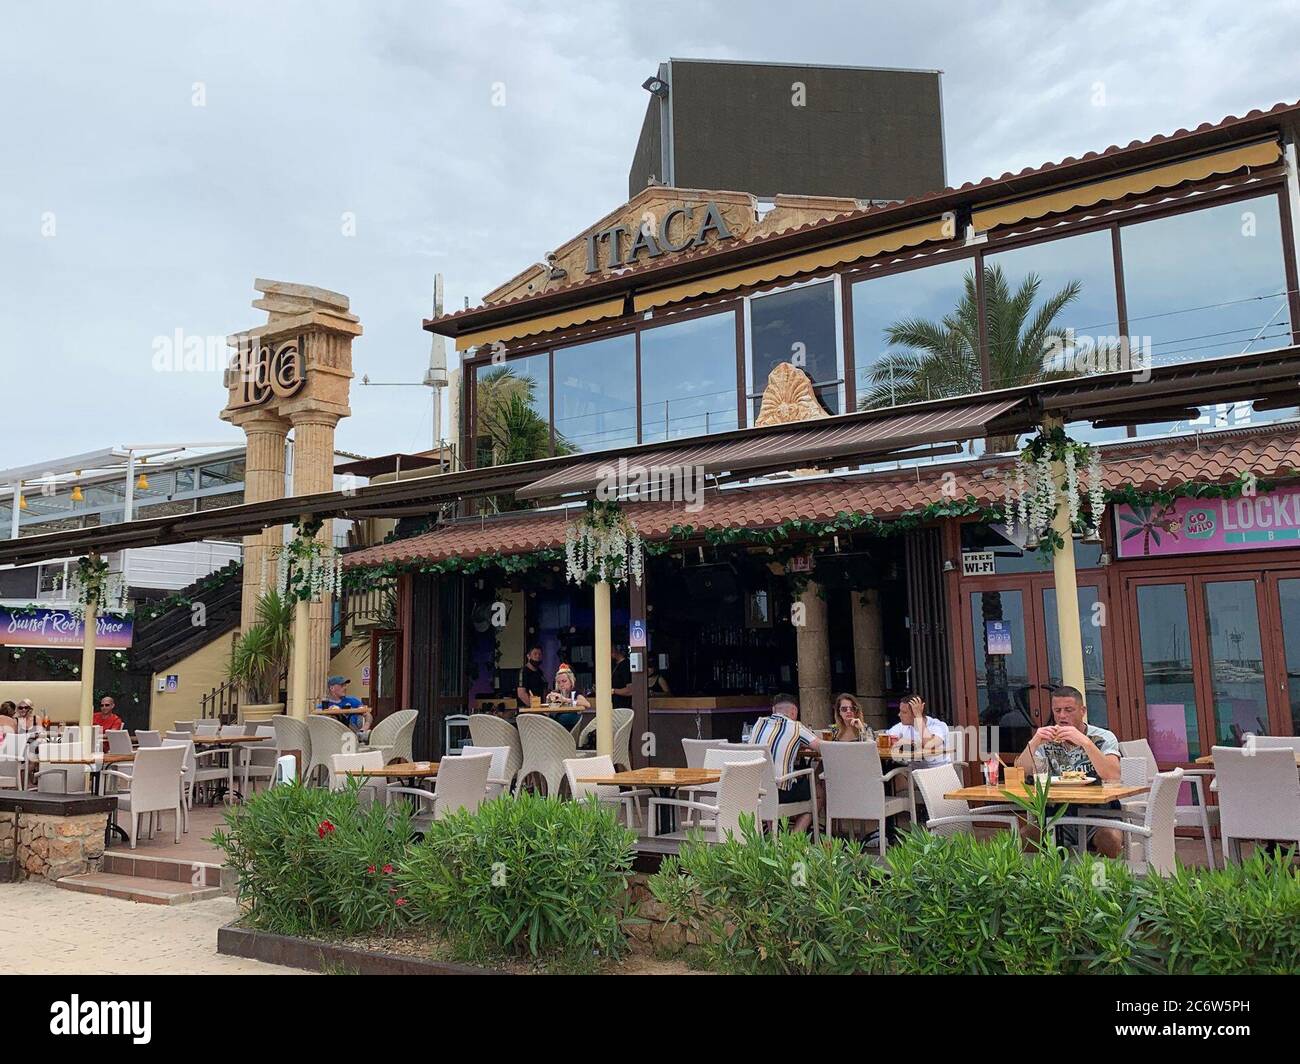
(385, 672)
(1235, 658)
(1166, 682)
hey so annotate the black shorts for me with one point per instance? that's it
(798, 791)
(1066, 836)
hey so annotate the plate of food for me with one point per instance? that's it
(1076, 776)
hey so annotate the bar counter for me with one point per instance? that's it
(675, 717)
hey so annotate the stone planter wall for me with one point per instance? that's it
(657, 935)
(51, 847)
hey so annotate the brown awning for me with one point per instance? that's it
(845, 440)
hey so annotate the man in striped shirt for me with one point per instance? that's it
(785, 737)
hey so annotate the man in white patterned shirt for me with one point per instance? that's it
(785, 737)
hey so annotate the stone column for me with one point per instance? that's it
(869, 656)
(313, 472)
(814, 660)
(293, 371)
(263, 482)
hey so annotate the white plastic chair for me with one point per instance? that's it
(694, 750)
(1259, 797)
(153, 788)
(149, 739)
(328, 737)
(461, 783)
(546, 746)
(486, 730)
(951, 816)
(1277, 742)
(623, 719)
(52, 778)
(1200, 815)
(740, 790)
(497, 773)
(575, 768)
(1156, 832)
(257, 760)
(189, 769)
(392, 736)
(184, 725)
(855, 787)
(207, 727)
(292, 734)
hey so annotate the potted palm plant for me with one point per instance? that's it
(260, 657)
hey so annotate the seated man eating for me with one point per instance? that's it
(1071, 745)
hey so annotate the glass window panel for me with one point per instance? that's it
(595, 395)
(1094, 665)
(514, 411)
(1165, 636)
(1002, 686)
(1236, 661)
(688, 378)
(1052, 312)
(916, 335)
(160, 484)
(184, 480)
(1204, 284)
(1288, 593)
(222, 474)
(797, 321)
(1008, 557)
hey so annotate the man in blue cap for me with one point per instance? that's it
(339, 699)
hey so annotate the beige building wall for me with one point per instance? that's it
(196, 675)
(351, 658)
(60, 700)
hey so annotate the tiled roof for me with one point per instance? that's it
(1270, 451)
(1007, 183)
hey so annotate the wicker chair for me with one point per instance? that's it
(1155, 833)
(1201, 815)
(855, 787)
(951, 816)
(292, 734)
(1259, 797)
(546, 746)
(575, 768)
(739, 792)
(461, 784)
(341, 764)
(623, 719)
(328, 737)
(154, 788)
(497, 782)
(392, 736)
(694, 750)
(487, 730)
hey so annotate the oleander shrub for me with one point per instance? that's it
(313, 862)
(775, 904)
(959, 904)
(1241, 919)
(526, 877)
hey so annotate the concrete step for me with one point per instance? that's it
(168, 869)
(147, 890)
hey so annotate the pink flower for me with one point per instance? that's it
(371, 870)
(400, 902)
(388, 870)
(324, 828)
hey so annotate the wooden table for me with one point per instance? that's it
(554, 710)
(341, 711)
(216, 740)
(1060, 793)
(399, 770)
(1208, 759)
(663, 781)
(95, 759)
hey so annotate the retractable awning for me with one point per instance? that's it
(849, 439)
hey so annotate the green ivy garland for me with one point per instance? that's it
(212, 582)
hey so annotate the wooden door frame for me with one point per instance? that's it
(376, 634)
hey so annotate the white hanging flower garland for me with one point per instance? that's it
(92, 580)
(1032, 493)
(603, 544)
(305, 568)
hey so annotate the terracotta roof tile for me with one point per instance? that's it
(1271, 451)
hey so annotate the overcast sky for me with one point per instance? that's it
(127, 212)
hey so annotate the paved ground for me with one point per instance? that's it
(50, 931)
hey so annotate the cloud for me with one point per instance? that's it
(165, 212)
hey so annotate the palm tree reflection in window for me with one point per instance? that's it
(941, 359)
(511, 428)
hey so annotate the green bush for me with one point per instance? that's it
(774, 904)
(525, 877)
(960, 904)
(1242, 919)
(313, 862)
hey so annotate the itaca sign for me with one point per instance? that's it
(680, 228)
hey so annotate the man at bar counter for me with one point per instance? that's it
(531, 681)
(620, 681)
(786, 738)
(1071, 744)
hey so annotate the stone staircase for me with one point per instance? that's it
(150, 880)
